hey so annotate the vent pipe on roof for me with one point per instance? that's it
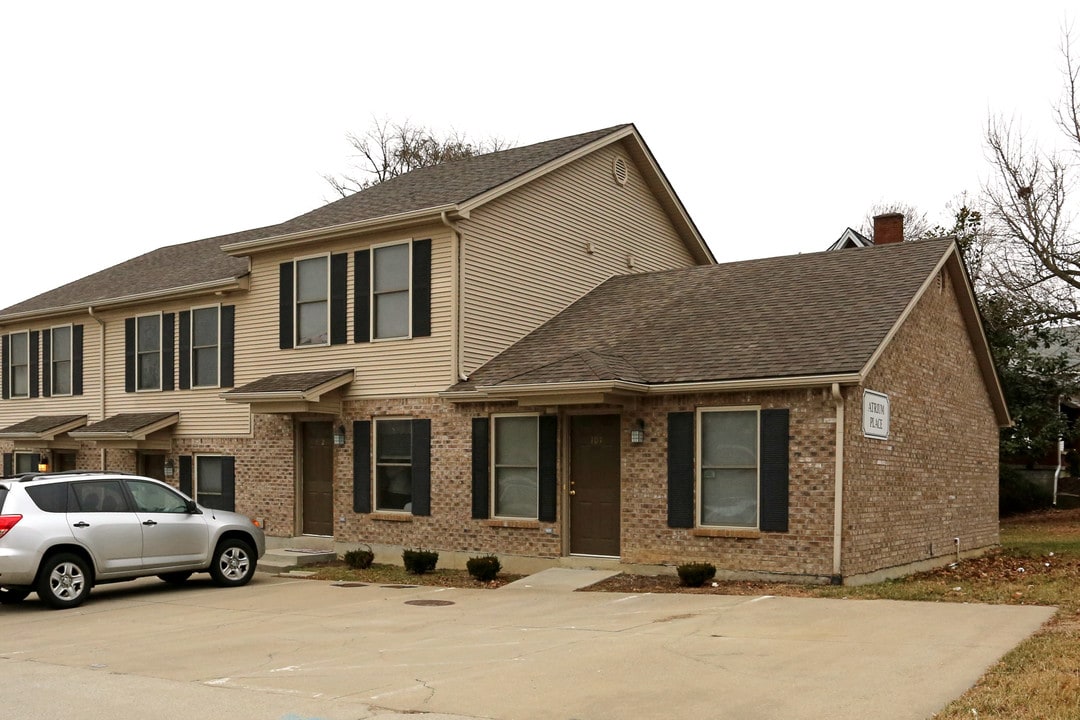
(888, 228)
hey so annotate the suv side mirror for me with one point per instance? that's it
(192, 508)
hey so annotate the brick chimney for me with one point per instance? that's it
(888, 228)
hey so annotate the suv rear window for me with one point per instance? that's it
(3, 496)
(50, 498)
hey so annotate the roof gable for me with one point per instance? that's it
(819, 315)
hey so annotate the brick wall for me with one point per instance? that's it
(935, 478)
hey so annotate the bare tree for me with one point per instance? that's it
(389, 149)
(1029, 208)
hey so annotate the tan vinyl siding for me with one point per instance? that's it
(383, 367)
(202, 412)
(19, 409)
(533, 252)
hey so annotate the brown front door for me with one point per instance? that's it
(594, 485)
(152, 466)
(318, 477)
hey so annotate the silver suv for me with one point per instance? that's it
(62, 533)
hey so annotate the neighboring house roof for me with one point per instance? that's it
(851, 239)
(819, 315)
(455, 185)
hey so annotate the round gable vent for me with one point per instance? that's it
(620, 170)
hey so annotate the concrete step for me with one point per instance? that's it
(285, 559)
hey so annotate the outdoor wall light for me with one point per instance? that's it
(637, 435)
(43, 464)
(339, 435)
(169, 467)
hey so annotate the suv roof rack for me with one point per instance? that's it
(28, 477)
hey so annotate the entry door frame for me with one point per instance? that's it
(300, 435)
(565, 436)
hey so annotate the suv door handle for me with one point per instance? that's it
(82, 524)
(149, 522)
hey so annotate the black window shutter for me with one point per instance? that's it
(481, 477)
(549, 442)
(339, 287)
(680, 460)
(129, 354)
(185, 475)
(228, 483)
(76, 359)
(362, 296)
(361, 492)
(9, 464)
(168, 351)
(46, 363)
(34, 368)
(421, 467)
(285, 305)
(5, 378)
(185, 350)
(228, 345)
(421, 288)
(774, 470)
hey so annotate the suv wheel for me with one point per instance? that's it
(10, 596)
(233, 563)
(64, 581)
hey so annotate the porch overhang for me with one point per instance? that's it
(618, 392)
(131, 431)
(316, 392)
(44, 431)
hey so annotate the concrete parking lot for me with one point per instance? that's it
(292, 649)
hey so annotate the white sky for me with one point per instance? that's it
(129, 126)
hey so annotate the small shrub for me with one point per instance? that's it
(359, 559)
(1018, 494)
(484, 568)
(696, 574)
(419, 562)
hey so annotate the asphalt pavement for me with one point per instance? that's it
(295, 649)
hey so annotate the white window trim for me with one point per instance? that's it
(52, 360)
(12, 365)
(493, 484)
(296, 302)
(375, 463)
(698, 468)
(195, 474)
(138, 365)
(371, 292)
(192, 348)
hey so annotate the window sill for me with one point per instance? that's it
(391, 516)
(522, 524)
(726, 533)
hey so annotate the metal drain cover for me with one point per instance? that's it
(349, 584)
(399, 587)
(429, 603)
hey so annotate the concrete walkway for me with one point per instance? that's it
(289, 649)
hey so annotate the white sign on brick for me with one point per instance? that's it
(875, 415)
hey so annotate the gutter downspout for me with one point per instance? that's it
(458, 360)
(101, 374)
(838, 489)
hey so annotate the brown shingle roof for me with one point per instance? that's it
(202, 261)
(40, 424)
(289, 382)
(802, 315)
(125, 423)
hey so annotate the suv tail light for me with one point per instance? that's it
(7, 522)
